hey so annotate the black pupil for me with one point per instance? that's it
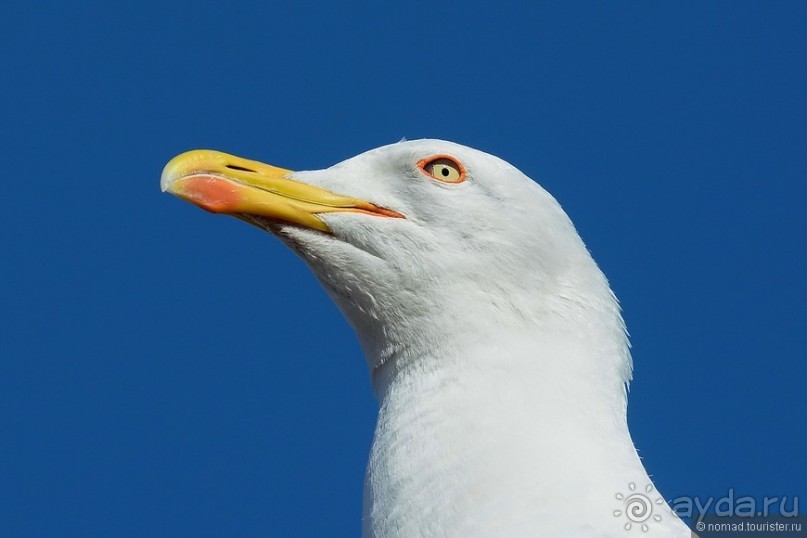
(444, 171)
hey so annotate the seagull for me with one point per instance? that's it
(495, 346)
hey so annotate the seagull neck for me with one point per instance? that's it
(484, 431)
(548, 385)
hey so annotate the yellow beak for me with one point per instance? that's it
(222, 183)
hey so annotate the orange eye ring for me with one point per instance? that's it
(444, 168)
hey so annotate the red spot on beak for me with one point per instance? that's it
(212, 193)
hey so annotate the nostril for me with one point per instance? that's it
(236, 167)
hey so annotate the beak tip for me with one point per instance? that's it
(164, 185)
(182, 165)
(169, 176)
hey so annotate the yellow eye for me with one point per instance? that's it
(443, 168)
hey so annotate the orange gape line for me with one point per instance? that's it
(380, 211)
(211, 193)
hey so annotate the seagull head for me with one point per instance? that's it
(496, 347)
(421, 243)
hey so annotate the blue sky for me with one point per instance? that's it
(166, 372)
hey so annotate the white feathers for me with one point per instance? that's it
(496, 348)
